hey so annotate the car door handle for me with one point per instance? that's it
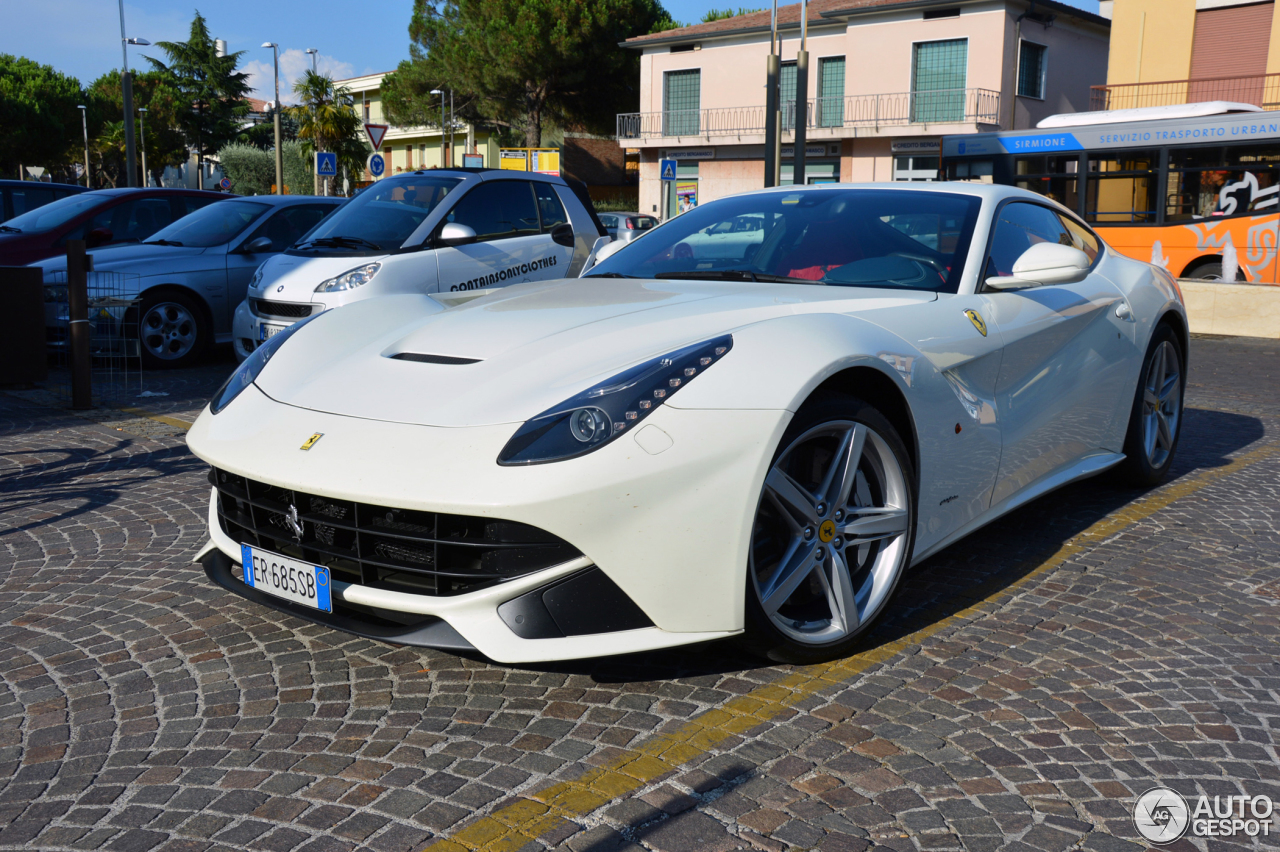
(1124, 312)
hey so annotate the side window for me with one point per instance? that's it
(287, 226)
(609, 222)
(25, 199)
(134, 221)
(1018, 227)
(549, 207)
(497, 210)
(1081, 237)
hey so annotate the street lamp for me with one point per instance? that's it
(440, 92)
(131, 179)
(142, 143)
(84, 119)
(275, 56)
(313, 54)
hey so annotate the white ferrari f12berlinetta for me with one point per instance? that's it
(750, 421)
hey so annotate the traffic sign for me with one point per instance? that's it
(376, 164)
(473, 161)
(667, 169)
(225, 183)
(376, 132)
(326, 164)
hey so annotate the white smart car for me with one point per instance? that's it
(676, 448)
(450, 233)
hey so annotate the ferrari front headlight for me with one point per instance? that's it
(601, 413)
(349, 280)
(251, 367)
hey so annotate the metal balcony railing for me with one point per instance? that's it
(945, 106)
(1262, 90)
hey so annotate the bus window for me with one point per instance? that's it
(1213, 182)
(1052, 177)
(1121, 187)
(972, 172)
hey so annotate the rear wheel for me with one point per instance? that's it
(833, 532)
(172, 330)
(1155, 422)
(1211, 271)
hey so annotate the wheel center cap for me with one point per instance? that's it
(827, 531)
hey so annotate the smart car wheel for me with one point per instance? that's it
(833, 532)
(1155, 422)
(172, 330)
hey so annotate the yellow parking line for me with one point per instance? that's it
(513, 825)
(159, 418)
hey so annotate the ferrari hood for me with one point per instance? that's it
(506, 357)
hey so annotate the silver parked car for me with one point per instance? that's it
(625, 227)
(193, 273)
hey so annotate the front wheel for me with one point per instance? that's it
(172, 330)
(1155, 422)
(833, 532)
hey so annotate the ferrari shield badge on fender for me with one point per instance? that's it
(311, 442)
(974, 317)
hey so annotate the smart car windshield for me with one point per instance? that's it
(382, 216)
(209, 226)
(54, 214)
(839, 237)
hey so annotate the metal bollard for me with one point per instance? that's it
(79, 334)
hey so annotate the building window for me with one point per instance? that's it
(938, 76)
(787, 95)
(1031, 70)
(919, 167)
(831, 91)
(681, 101)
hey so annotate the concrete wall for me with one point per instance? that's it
(1151, 40)
(1076, 60)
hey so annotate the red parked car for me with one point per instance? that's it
(99, 217)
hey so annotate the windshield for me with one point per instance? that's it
(382, 216)
(210, 226)
(55, 213)
(842, 237)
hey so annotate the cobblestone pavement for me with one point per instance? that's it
(1033, 679)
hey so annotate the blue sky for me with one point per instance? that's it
(81, 37)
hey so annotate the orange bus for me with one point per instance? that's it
(1184, 187)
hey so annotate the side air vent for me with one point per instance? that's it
(433, 359)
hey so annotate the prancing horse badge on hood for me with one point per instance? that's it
(976, 319)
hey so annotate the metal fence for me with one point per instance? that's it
(114, 346)
(1262, 90)
(943, 106)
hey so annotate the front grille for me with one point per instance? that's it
(425, 553)
(288, 310)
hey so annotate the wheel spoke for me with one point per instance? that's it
(841, 596)
(1163, 432)
(842, 486)
(791, 572)
(1149, 397)
(873, 524)
(794, 502)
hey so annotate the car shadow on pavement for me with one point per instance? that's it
(972, 570)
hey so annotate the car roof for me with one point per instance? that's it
(986, 191)
(287, 200)
(159, 190)
(26, 183)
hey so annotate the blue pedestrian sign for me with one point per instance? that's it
(376, 164)
(326, 164)
(667, 169)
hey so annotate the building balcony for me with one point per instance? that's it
(834, 115)
(1262, 90)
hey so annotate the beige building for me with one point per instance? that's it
(407, 149)
(1166, 52)
(887, 79)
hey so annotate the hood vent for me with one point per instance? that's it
(433, 359)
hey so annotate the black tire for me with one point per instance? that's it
(172, 330)
(1141, 467)
(1211, 271)
(762, 636)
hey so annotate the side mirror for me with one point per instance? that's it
(1044, 263)
(608, 250)
(261, 244)
(457, 234)
(97, 237)
(562, 235)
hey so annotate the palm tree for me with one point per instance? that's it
(327, 121)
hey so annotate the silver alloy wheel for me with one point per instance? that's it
(169, 331)
(830, 533)
(1161, 403)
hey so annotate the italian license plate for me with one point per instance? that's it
(266, 332)
(291, 579)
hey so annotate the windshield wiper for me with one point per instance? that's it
(340, 242)
(162, 243)
(10, 229)
(734, 275)
(610, 275)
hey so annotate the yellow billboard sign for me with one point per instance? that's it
(542, 160)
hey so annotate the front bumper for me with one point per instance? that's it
(246, 326)
(670, 529)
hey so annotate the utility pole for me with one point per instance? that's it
(131, 177)
(142, 143)
(440, 92)
(275, 109)
(771, 149)
(802, 99)
(84, 120)
(452, 119)
(313, 53)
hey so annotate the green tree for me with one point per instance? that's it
(39, 121)
(299, 170)
(328, 122)
(721, 14)
(263, 134)
(251, 170)
(159, 135)
(524, 62)
(212, 91)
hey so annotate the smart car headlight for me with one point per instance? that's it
(256, 279)
(601, 413)
(251, 367)
(349, 280)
